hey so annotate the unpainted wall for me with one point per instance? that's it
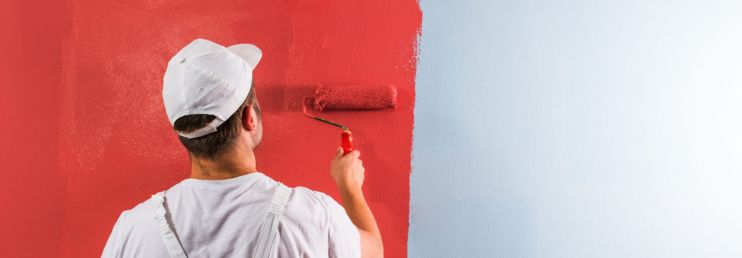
(576, 129)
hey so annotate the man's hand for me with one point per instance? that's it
(347, 170)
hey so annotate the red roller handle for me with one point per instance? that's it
(346, 141)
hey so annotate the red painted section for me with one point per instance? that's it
(31, 187)
(87, 79)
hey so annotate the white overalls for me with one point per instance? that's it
(267, 240)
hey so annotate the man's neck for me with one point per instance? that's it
(237, 162)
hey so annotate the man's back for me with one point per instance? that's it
(226, 208)
(222, 218)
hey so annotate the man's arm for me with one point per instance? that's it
(348, 173)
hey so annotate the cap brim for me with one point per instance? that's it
(249, 52)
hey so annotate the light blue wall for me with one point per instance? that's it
(578, 129)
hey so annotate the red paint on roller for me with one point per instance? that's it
(355, 97)
(351, 97)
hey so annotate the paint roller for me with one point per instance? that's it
(349, 97)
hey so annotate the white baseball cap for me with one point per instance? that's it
(208, 78)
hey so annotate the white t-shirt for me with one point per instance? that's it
(222, 218)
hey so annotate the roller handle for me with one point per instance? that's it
(346, 141)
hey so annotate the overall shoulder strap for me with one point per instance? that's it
(172, 243)
(268, 238)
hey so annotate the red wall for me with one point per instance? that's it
(85, 77)
(31, 186)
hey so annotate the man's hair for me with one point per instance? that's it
(213, 145)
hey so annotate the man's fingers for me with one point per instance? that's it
(339, 152)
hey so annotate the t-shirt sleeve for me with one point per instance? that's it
(114, 245)
(344, 238)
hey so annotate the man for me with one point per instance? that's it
(227, 208)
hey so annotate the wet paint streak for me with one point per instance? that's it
(116, 147)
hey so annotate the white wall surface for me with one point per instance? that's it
(578, 129)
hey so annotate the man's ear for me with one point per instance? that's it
(249, 118)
